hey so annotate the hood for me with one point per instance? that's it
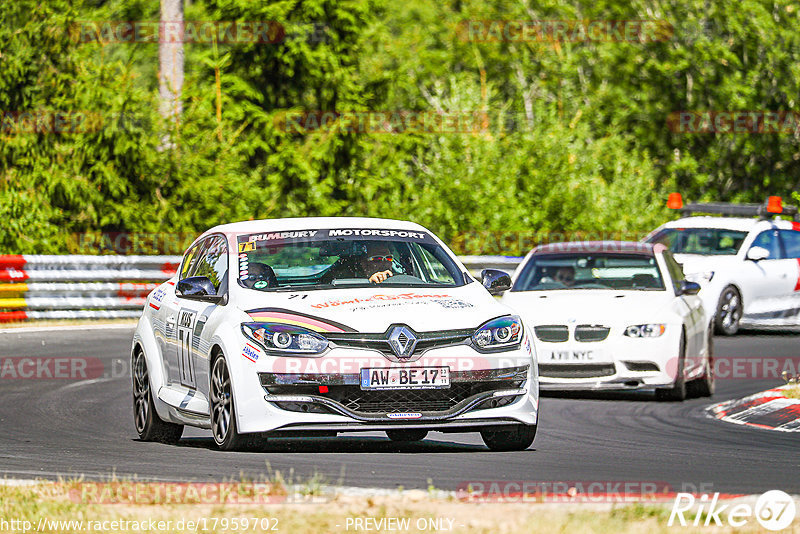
(696, 263)
(375, 309)
(588, 306)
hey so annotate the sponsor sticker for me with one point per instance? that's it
(250, 240)
(158, 296)
(250, 352)
(400, 297)
(404, 415)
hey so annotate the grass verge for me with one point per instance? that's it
(51, 506)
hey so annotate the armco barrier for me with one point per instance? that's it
(109, 287)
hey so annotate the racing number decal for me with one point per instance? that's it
(186, 319)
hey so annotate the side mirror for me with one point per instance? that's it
(689, 288)
(757, 254)
(197, 288)
(495, 281)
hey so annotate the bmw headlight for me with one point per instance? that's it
(283, 338)
(503, 333)
(700, 278)
(645, 330)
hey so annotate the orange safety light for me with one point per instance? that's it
(675, 201)
(774, 205)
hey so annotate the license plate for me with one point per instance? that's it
(406, 378)
(569, 356)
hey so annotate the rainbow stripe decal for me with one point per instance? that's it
(281, 316)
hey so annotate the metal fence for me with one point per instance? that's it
(109, 287)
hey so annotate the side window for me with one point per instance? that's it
(675, 270)
(190, 260)
(768, 239)
(791, 243)
(431, 266)
(213, 261)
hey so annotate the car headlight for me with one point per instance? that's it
(503, 333)
(700, 278)
(286, 339)
(645, 330)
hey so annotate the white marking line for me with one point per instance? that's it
(86, 382)
(68, 327)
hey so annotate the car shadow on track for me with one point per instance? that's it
(633, 395)
(344, 444)
(602, 395)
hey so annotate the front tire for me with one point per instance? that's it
(518, 439)
(149, 425)
(223, 410)
(677, 392)
(729, 311)
(411, 434)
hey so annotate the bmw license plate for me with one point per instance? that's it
(406, 378)
(570, 356)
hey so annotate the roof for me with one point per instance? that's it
(304, 223)
(606, 247)
(743, 224)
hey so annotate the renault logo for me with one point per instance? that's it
(402, 341)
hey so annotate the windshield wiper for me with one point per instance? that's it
(301, 287)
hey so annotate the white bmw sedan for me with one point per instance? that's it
(613, 316)
(314, 326)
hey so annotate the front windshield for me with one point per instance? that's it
(704, 241)
(590, 271)
(331, 258)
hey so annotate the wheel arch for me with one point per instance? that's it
(144, 340)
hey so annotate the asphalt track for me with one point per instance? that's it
(71, 428)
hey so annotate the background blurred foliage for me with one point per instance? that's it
(576, 142)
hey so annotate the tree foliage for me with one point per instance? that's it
(574, 138)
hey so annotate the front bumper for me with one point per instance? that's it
(485, 390)
(626, 364)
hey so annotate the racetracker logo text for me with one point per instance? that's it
(70, 368)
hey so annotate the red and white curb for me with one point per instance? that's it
(769, 409)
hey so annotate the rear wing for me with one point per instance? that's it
(772, 207)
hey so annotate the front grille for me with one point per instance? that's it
(422, 400)
(589, 332)
(552, 333)
(380, 342)
(641, 366)
(576, 370)
(369, 402)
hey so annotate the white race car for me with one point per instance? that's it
(309, 326)
(610, 315)
(748, 268)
